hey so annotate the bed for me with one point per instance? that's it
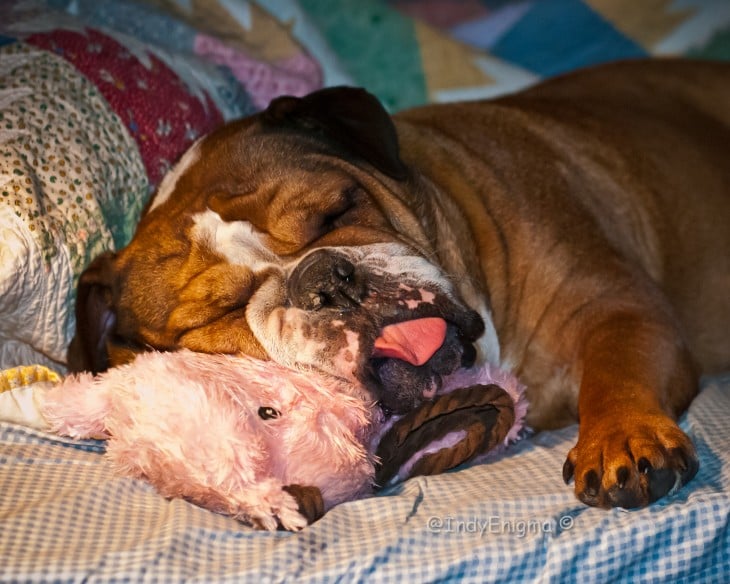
(98, 98)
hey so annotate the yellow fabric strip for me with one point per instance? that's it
(26, 375)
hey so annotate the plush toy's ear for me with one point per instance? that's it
(95, 317)
(349, 116)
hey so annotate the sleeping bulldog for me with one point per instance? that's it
(575, 234)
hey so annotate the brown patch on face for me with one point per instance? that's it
(316, 204)
(211, 294)
(228, 334)
(179, 293)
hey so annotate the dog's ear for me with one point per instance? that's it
(95, 317)
(351, 117)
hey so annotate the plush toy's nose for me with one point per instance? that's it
(325, 278)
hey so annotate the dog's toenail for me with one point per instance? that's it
(679, 455)
(622, 476)
(592, 483)
(568, 469)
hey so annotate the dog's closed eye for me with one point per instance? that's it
(337, 216)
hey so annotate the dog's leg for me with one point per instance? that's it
(637, 376)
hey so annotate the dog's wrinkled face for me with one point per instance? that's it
(349, 310)
(353, 312)
(293, 235)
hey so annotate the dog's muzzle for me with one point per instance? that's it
(412, 329)
(326, 279)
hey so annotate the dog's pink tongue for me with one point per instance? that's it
(414, 341)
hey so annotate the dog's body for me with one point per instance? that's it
(576, 233)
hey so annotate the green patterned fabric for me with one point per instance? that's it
(377, 45)
(718, 47)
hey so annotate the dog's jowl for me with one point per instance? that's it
(575, 233)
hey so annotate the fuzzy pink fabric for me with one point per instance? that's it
(189, 423)
(230, 432)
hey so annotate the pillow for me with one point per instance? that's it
(72, 184)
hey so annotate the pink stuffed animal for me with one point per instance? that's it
(252, 439)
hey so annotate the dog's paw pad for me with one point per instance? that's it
(630, 465)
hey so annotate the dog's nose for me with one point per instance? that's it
(324, 279)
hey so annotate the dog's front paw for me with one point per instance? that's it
(631, 462)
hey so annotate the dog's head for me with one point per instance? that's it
(299, 235)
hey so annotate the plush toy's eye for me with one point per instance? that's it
(267, 413)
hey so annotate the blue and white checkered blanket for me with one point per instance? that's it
(65, 517)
